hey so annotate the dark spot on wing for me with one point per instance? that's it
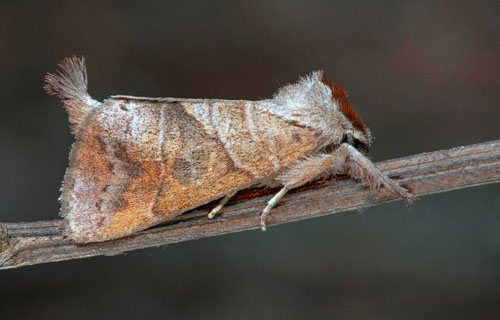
(296, 137)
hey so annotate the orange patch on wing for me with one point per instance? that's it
(341, 96)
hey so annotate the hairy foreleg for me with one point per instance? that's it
(345, 159)
(360, 167)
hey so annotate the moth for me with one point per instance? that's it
(139, 161)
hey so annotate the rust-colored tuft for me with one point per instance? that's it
(341, 96)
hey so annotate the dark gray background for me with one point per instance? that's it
(423, 75)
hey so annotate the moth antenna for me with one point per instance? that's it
(70, 85)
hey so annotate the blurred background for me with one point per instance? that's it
(423, 75)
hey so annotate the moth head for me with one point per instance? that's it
(356, 133)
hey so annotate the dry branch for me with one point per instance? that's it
(30, 243)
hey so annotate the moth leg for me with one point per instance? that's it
(274, 200)
(221, 204)
(300, 173)
(360, 167)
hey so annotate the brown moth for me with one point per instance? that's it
(140, 161)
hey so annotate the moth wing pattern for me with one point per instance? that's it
(256, 140)
(111, 180)
(136, 163)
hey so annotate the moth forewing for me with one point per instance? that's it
(141, 162)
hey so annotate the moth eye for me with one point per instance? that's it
(347, 138)
(356, 143)
(361, 146)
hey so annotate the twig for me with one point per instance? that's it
(30, 243)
